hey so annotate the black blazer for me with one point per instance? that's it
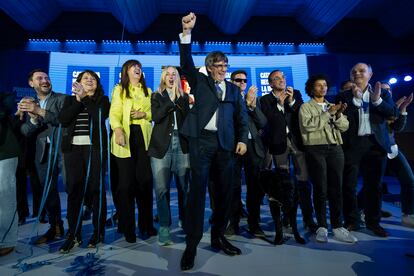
(232, 115)
(377, 117)
(275, 134)
(256, 121)
(396, 126)
(71, 109)
(162, 109)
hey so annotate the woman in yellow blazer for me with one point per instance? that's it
(130, 120)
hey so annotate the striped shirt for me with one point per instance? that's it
(81, 131)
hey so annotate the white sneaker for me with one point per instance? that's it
(322, 235)
(407, 220)
(341, 234)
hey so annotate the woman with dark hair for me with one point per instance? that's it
(168, 149)
(130, 120)
(84, 147)
(321, 124)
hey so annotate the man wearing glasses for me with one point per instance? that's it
(252, 162)
(281, 108)
(216, 128)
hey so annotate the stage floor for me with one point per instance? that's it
(370, 256)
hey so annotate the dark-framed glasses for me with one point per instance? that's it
(221, 66)
(240, 80)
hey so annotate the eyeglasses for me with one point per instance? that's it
(277, 78)
(221, 66)
(240, 80)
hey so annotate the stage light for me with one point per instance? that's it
(392, 81)
(408, 78)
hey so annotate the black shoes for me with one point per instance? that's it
(187, 260)
(70, 242)
(385, 214)
(257, 232)
(130, 237)
(221, 243)
(95, 239)
(218, 243)
(377, 230)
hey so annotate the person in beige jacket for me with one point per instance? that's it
(321, 124)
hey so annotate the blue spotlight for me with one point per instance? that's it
(408, 78)
(392, 81)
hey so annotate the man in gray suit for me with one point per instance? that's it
(42, 125)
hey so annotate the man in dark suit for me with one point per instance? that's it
(281, 107)
(252, 162)
(217, 129)
(366, 144)
(42, 125)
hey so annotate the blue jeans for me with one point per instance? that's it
(8, 211)
(400, 166)
(174, 162)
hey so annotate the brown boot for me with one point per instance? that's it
(51, 234)
(6, 250)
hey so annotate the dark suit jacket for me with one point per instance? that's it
(396, 126)
(9, 126)
(377, 116)
(162, 109)
(276, 136)
(256, 121)
(71, 109)
(232, 117)
(46, 127)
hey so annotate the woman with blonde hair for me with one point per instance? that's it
(168, 149)
(130, 120)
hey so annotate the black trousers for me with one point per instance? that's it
(52, 204)
(236, 204)
(114, 181)
(252, 164)
(21, 189)
(205, 155)
(326, 164)
(76, 164)
(135, 184)
(368, 156)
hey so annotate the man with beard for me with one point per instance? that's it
(42, 124)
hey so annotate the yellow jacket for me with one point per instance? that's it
(119, 116)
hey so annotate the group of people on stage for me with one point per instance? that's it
(159, 135)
